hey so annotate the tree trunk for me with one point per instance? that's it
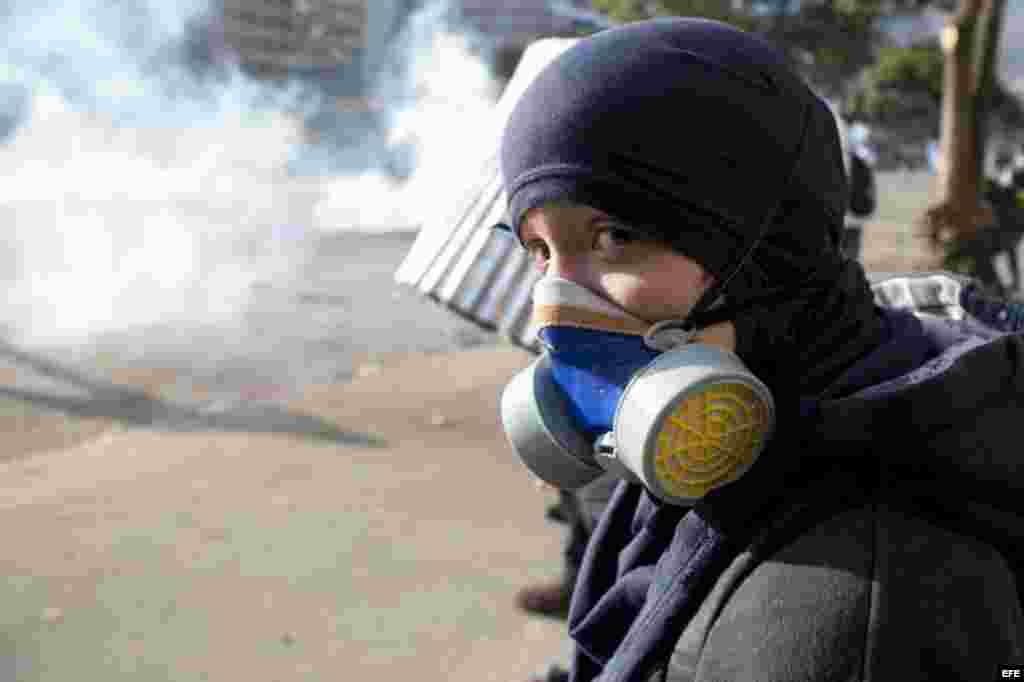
(968, 41)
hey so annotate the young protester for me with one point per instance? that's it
(813, 487)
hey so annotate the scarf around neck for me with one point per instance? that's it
(649, 565)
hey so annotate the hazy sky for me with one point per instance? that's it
(1013, 42)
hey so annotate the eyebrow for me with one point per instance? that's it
(599, 217)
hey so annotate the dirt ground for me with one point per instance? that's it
(371, 528)
(143, 554)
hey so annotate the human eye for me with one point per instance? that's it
(612, 240)
(538, 252)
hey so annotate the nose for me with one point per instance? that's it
(569, 266)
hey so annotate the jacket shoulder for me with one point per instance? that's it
(870, 594)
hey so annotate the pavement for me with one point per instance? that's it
(390, 545)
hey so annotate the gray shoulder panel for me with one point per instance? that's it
(870, 594)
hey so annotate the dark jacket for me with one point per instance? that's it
(892, 551)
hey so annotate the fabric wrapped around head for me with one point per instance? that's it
(698, 134)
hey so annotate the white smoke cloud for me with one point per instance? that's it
(139, 192)
(438, 100)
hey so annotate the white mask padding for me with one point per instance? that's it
(563, 293)
(560, 291)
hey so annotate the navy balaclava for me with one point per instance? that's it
(700, 135)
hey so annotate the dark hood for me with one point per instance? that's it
(701, 136)
(659, 122)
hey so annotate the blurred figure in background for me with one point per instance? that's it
(579, 510)
(1003, 189)
(861, 159)
(551, 598)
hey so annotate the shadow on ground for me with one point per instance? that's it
(137, 408)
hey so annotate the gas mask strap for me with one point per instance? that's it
(703, 311)
(707, 306)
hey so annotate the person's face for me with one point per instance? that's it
(586, 246)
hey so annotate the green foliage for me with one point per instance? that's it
(624, 10)
(902, 84)
(839, 38)
(910, 68)
(635, 10)
(906, 82)
(860, 13)
(834, 39)
(709, 9)
(955, 261)
(835, 44)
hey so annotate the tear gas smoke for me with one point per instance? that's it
(436, 97)
(146, 184)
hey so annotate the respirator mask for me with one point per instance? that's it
(611, 392)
